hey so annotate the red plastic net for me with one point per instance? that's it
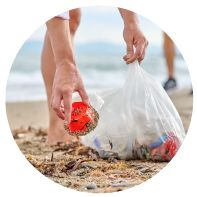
(84, 119)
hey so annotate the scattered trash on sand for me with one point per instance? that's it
(73, 165)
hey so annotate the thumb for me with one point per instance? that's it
(130, 50)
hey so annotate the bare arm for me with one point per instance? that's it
(133, 36)
(129, 16)
(61, 41)
(67, 78)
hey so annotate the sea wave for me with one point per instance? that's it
(99, 72)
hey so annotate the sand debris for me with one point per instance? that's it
(97, 173)
(73, 165)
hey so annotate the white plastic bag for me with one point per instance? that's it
(136, 121)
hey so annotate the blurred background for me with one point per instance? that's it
(99, 48)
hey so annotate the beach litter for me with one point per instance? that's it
(139, 132)
(137, 121)
(77, 169)
(84, 119)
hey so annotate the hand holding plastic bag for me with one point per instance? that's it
(136, 121)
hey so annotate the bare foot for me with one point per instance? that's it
(57, 133)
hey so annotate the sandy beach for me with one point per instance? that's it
(73, 165)
(24, 114)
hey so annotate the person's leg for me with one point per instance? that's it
(169, 51)
(56, 132)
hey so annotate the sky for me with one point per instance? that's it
(104, 24)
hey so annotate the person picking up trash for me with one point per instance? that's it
(61, 75)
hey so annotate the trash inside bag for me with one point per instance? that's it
(138, 121)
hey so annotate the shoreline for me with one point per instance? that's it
(35, 113)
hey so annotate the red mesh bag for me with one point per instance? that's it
(84, 119)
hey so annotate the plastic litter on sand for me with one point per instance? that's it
(84, 119)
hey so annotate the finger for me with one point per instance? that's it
(138, 53)
(140, 62)
(143, 54)
(84, 96)
(62, 105)
(52, 97)
(56, 105)
(130, 50)
(67, 97)
(125, 58)
(62, 110)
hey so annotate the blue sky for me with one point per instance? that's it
(104, 24)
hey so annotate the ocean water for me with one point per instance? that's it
(100, 64)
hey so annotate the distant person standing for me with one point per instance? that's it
(169, 51)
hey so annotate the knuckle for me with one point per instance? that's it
(56, 88)
(139, 54)
(141, 58)
(67, 90)
(143, 40)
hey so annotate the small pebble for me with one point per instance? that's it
(20, 135)
(104, 154)
(114, 160)
(87, 164)
(123, 185)
(69, 183)
(112, 182)
(120, 181)
(61, 175)
(94, 163)
(115, 172)
(92, 186)
(77, 172)
(138, 168)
